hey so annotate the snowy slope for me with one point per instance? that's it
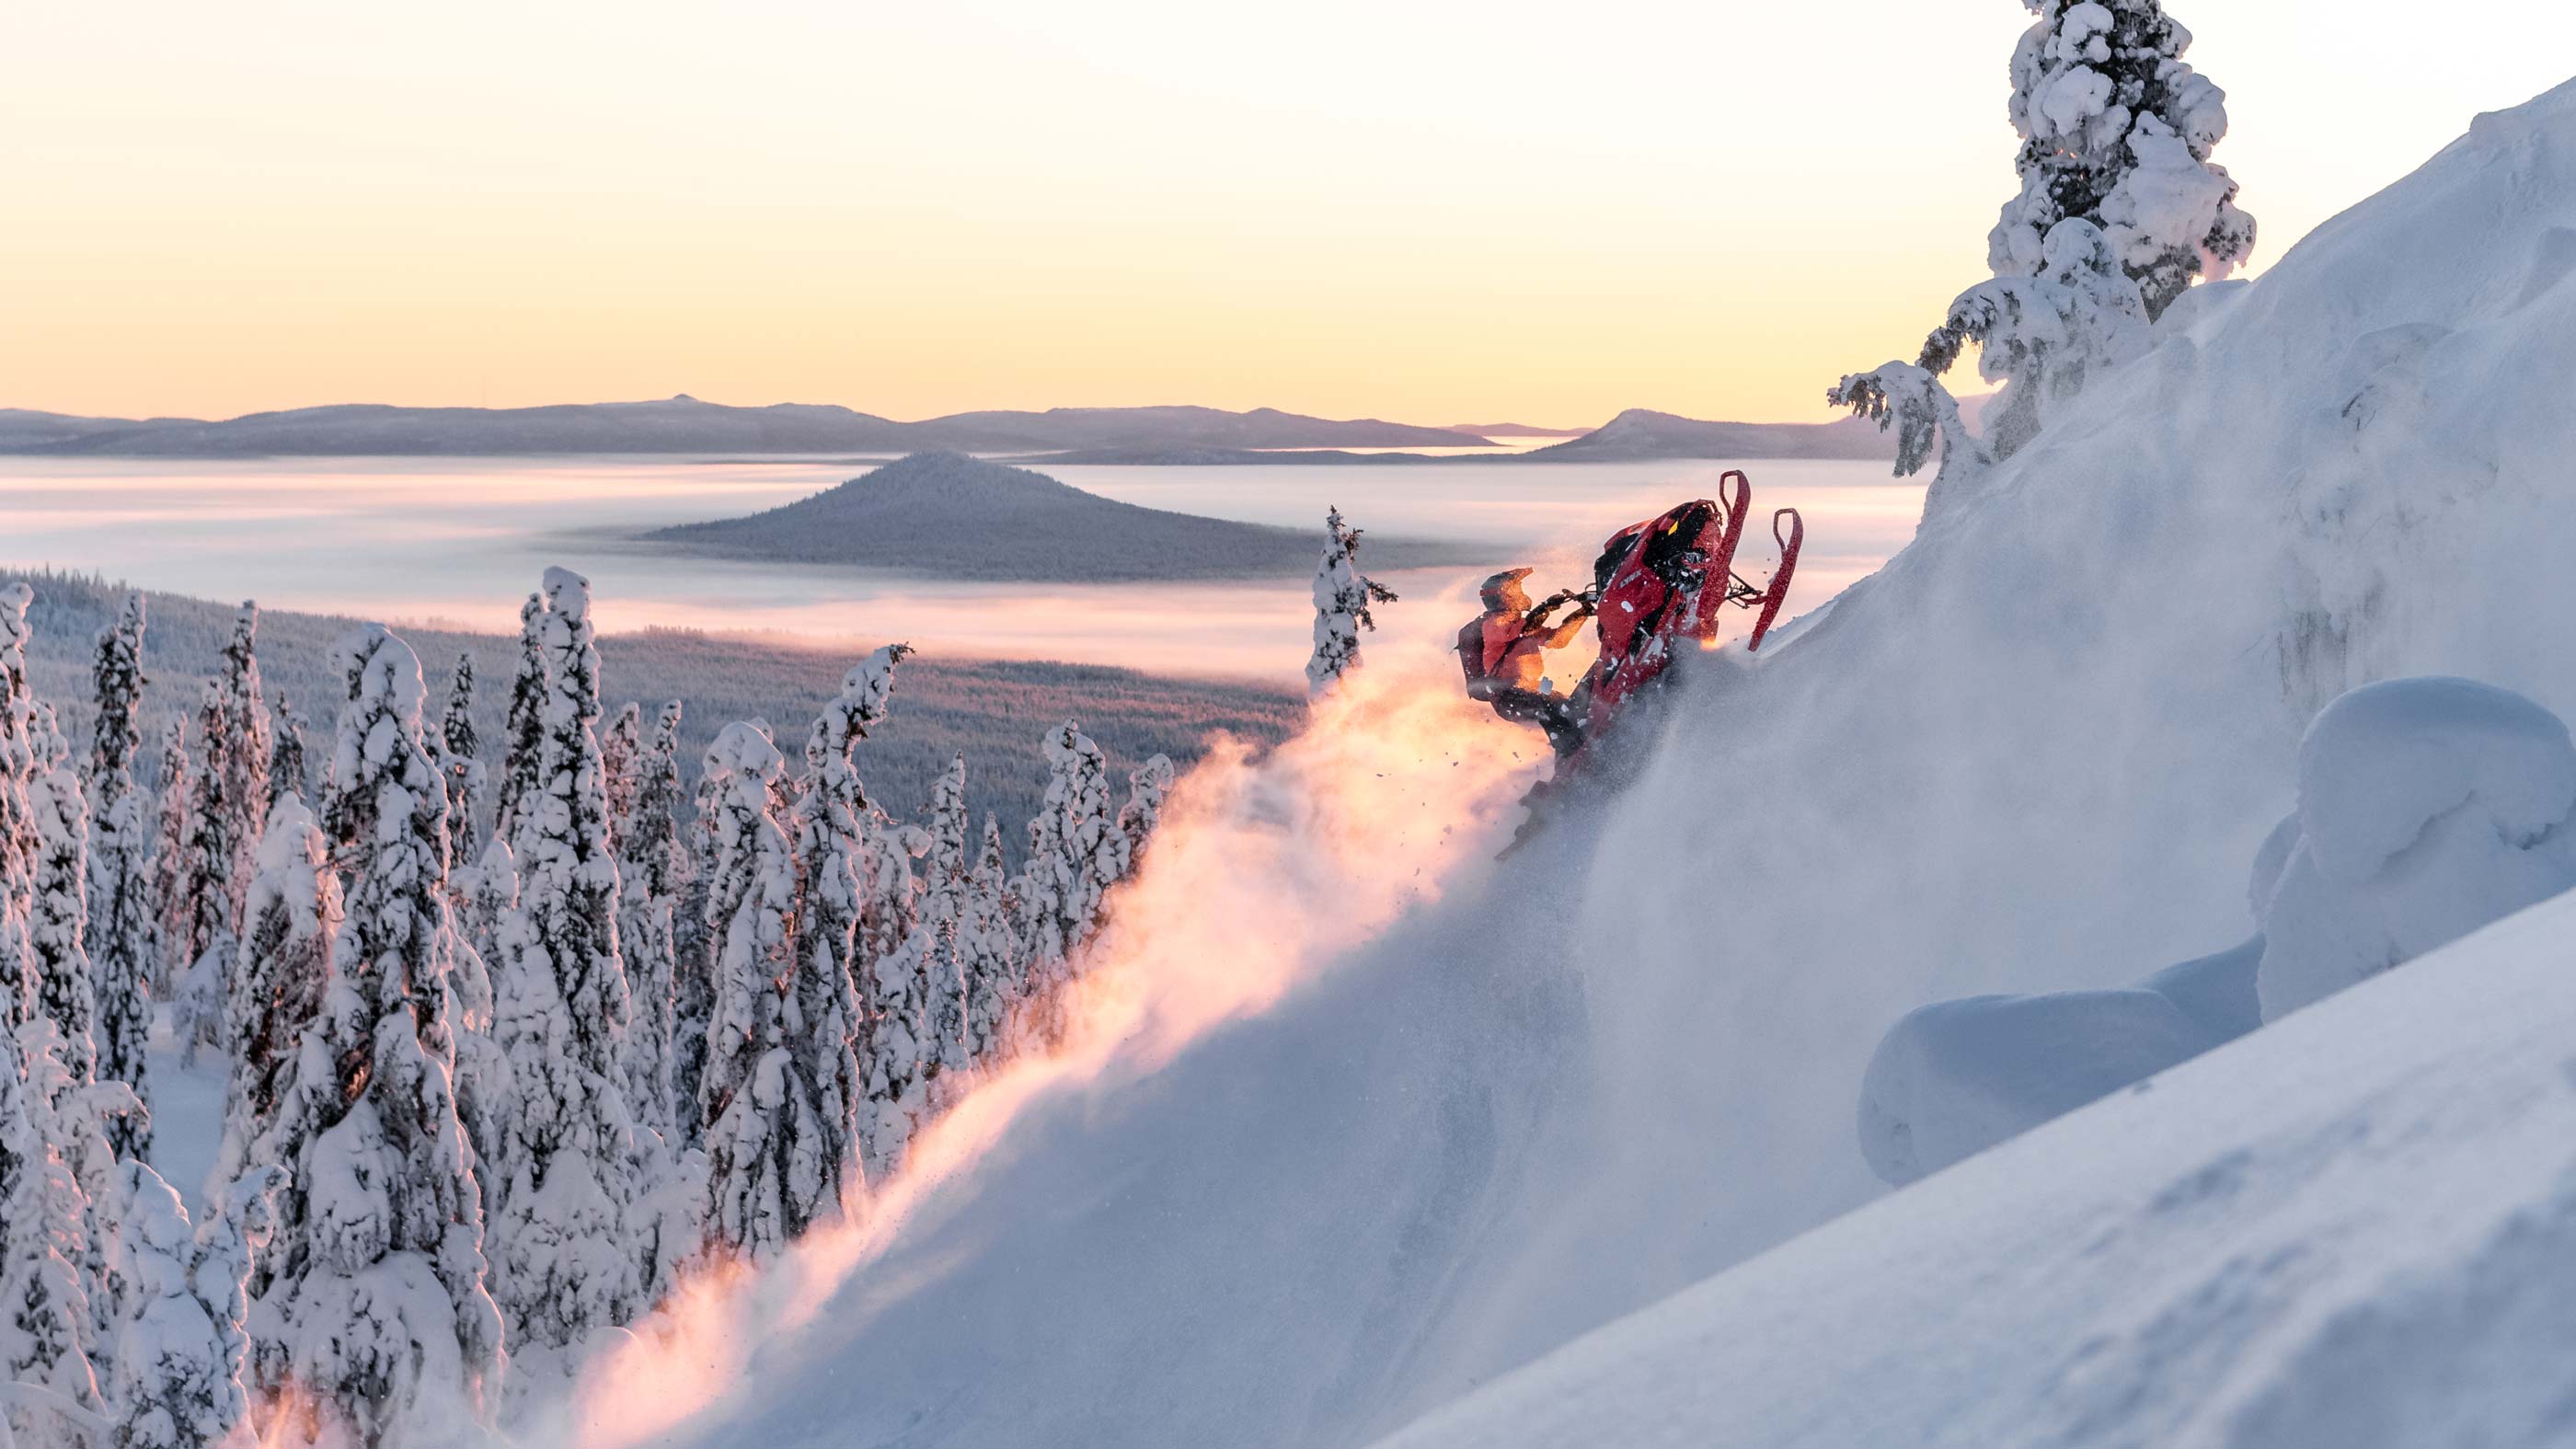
(2354, 1228)
(2037, 751)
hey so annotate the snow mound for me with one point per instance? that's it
(2355, 1229)
(1956, 1077)
(2427, 808)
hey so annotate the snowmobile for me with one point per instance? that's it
(1651, 589)
(1657, 584)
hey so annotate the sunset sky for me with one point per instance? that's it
(1443, 213)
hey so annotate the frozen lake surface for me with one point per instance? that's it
(461, 542)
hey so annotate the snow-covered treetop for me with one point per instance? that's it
(2117, 130)
(568, 594)
(743, 750)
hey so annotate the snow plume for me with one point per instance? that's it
(1262, 871)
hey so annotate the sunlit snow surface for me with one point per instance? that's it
(2035, 752)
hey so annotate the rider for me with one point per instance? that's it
(1504, 654)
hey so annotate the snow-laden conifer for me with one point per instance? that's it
(563, 1261)
(459, 751)
(693, 985)
(989, 964)
(1148, 786)
(826, 1038)
(483, 1075)
(492, 898)
(203, 952)
(180, 1344)
(894, 962)
(122, 910)
(59, 925)
(1342, 598)
(621, 749)
(237, 754)
(171, 908)
(19, 842)
(291, 926)
(651, 872)
(766, 1151)
(371, 1298)
(523, 729)
(2117, 130)
(289, 769)
(46, 1318)
(946, 871)
(1076, 853)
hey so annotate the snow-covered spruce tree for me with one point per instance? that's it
(494, 896)
(827, 1038)
(203, 951)
(620, 747)
(180, 1346)
(946, 870)
(693, 984)
(651, 866)
(247, 744)
(171, 908)
(1148, 786)
(2117, 130)
(989, 967)
(483, 1077)
(370, 1297)
(563, 1260)
(19, 843)
(1342, 598)
(116, 673)
(59, 926)
(121, 887)
(766, 1149)
(894, 964)
(1923, 412)
(289, 773)
(1076, 853)
(73, 1117)
(460, 759)
(291, 926)
(45, 1313)
(523, 730)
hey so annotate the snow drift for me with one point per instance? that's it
(2355, 1229)
(2034, 753)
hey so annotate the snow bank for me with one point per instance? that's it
(2354, 1229)
(2032, 754)
(2427, 808)
(1957, 1077)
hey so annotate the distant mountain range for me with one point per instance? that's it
(1639, 433)
(951, 516)
(685, 425)
(1514, 430)
(1147, 436)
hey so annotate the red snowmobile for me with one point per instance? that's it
(1652, 589)
(1657, 584)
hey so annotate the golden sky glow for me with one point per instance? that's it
(1444, 213)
